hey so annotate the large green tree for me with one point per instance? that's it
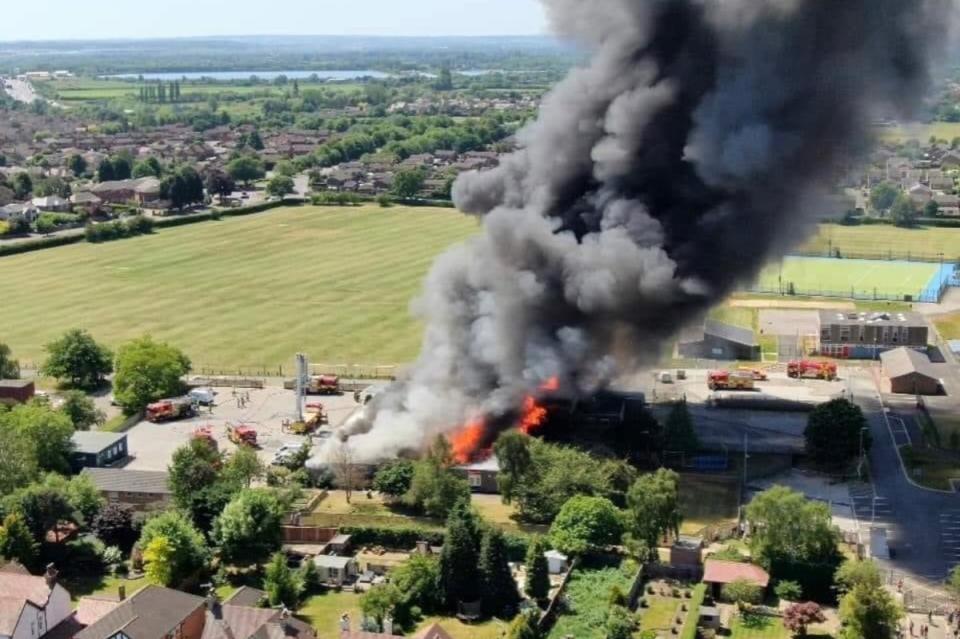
(77, 165)
(81, 410)
(393, 480)
(869, 612)
(653, 506)
(9, 367)
(188, 552)
(148, 370)
(198, 487)
(458, 560)
(537, 585)
(883, 195)
(786, 526)
(114, 526)
(280, 185)
(904, 211)
(835, 431)
(18, 462)
(417, 581)
(16, 542)
(406, 184)
(45, 431)
(585, 524)
(435, 488)
(245, 169)
(500, 595)
(283, 585)
(248, 530)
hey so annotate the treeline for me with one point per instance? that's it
(107, 231)
(160, 92)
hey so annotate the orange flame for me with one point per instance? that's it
(552, 384)
(531, 419)
(467, 441)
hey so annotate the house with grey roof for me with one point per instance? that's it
(142, 490)
(97, 449)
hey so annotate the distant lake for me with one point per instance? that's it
(245, 75)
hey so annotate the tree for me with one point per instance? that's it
(678, 431)
(742, 592)
(219, 183)
(285, 167)
(458, 560)
(619, 624)
(83, 495)
(18, 462)
(406, 184)
(105, 171)
(653, 507)
(77, 358)
(500, 595)
(785, 525)
(77, 165)
(248, 530)
(953, 581)
(931, 209)
(280, 185)
(149, 167)
(113, 525)
(835, 431)
(444, 79)
(122, 167)
(242, 467)
(904, 211)
(282, 584)
(524, 626)
(245, 169)
(417, 582)
(512, 449)
(344, 468)
(798, 617)
(158, 559)
(16, 542)
(868, 612)
(854, 573)
(183, 188)
(148, 371)
(9, 367)
(393, 479)
(537, 585)
(788, 590)
(586, 524)
(196, 482)
(52, 186)
(188, 552)
(81, 410)
(883, 195)
(435, 488)
(43, 506)
(22, 186)
(378, 603)
(46, 431)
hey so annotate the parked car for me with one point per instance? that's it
(203, 396)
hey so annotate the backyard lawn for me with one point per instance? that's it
(660, 613)
(706, 502)
(323, 612)
(332, 282)
(100, 585)
(490, 629)
(757, 627)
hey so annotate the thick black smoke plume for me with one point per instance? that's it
(691, 150)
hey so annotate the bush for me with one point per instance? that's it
(788, 590)
(331, 198)
(741, 592)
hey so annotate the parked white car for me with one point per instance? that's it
(203, 396)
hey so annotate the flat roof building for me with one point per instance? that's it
(862, 335)
(97, 449)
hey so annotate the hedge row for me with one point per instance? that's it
(119, 229)
(404, 538)
(39, 243)
(942, 222)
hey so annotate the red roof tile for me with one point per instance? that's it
(717, 571)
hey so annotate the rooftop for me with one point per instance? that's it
(15, 383)
(897, 318)
(17, 590)
(128, 481)
(94, 441)
(331, 561)
(150, 613)
(730, 332)
(906, 361)
(717, 571)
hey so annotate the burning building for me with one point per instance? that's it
(698, 142)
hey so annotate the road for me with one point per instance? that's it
(922, 531)
(20, 90)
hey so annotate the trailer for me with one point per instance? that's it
(727, 380)
(171, 409)
(811, 369)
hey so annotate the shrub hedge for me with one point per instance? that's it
(404, 538)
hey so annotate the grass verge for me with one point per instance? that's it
(931, 467)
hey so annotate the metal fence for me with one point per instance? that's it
(931, 295)
(887, 256)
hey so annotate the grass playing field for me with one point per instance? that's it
(921, 131)
(816, 276)
(884, 239)
(335, 283)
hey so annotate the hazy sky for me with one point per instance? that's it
(87, 19)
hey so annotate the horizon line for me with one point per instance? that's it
(276, 35)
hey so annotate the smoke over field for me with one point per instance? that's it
(695, 146)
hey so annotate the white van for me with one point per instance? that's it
(203, 396)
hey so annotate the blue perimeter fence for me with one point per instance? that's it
(944, 277)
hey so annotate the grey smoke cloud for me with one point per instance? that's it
(689, 151)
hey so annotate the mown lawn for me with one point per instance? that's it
(335, 283)
(886, 239)
(489, 629)
(660, 613)
(100, 585)
(931, 467)
(757, 627)
(323, 612)
(948, 325)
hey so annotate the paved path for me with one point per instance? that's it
(910, 513)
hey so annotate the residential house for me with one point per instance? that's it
(717, 573)
(909, 372)
(86, 202)
(950, 161)
(19, 210)
(920, 193)
(139, 190)
(142, 490)
(52, 204)
(31, 606)
(152, 612)
(230, 621)
(97, 449)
